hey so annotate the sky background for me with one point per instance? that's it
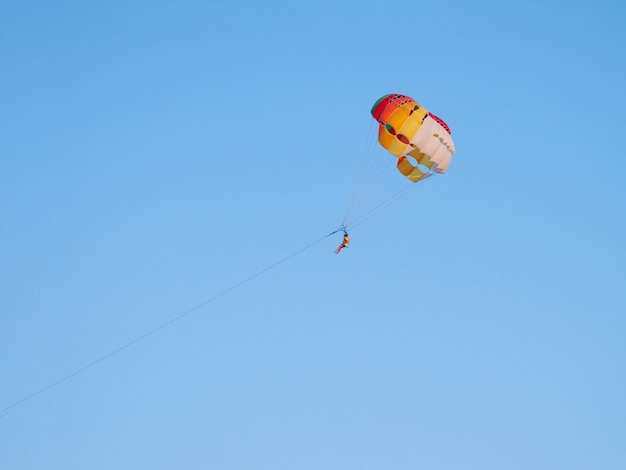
(158, 155)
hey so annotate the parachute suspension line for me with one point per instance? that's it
(104, 357)
(368, 194)
(375, 186)
(364, 164)
(370, 178)
(400, 194)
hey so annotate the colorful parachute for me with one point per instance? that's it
(419, 139)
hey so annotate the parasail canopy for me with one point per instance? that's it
(420, 140)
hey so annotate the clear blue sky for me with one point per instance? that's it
(154, 155)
